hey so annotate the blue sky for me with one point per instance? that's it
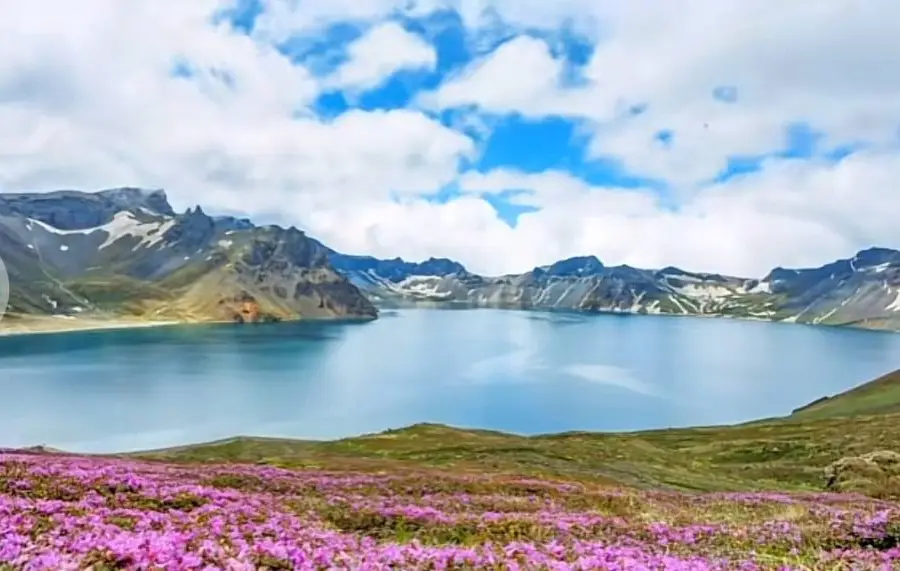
(502, 134)
(528, 144)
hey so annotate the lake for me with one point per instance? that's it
(517, 371)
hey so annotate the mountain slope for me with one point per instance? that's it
(863, 291)
(126, 252)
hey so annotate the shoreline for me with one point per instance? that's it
(49, 325)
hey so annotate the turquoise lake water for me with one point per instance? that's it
(507, 370)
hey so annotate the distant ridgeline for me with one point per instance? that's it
(127, 252)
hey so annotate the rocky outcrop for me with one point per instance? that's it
(393, 270)
(243, 308)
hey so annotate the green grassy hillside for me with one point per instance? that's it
(881, 396)
(786, 453)
(773, 455)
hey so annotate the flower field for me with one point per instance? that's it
(61, 512)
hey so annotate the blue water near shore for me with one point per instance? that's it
(516, 371)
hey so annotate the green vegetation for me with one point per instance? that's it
(881, 396)
(434, 497)
(772, 455)
(117, 292)
(874, 474)
(792, 453)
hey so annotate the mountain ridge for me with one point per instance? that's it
(126, 250)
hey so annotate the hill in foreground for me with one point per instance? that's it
(748, 497)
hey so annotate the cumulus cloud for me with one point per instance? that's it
(108, 93)
(384, 50)
(828, 64)
(794, 213)
(233, 129)
(519, 76)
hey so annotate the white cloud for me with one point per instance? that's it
(384, 50)
(87, 100)
(793, 213)
(519, 76)
(101, 108)
(282, 19)
(831, 63)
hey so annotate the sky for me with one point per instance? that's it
(506, 134)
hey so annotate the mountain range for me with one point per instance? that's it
(126, 252)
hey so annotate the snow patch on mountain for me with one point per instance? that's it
(422, 286)
(704, 290)
(760, 287)
(895, 305)
(123, 224)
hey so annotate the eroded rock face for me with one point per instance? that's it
(293, 273)
(278, 249)
(244, 308)
(193, 230)
(342, 298)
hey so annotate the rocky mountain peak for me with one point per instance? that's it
(672, 271)
(132, 198)
(876, 257)
(226, 223)
(191, 230)
(396, 269)
(780, 274)
(576, 266)
(197, 211)
(282, 247)
(441, 267)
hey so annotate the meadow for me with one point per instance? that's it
(814, 491)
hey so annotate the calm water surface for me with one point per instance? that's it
(508, 370)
